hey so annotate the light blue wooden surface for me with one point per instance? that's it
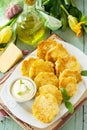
(79, 120)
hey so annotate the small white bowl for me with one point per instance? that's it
(22, 89)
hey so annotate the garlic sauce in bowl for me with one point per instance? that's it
(23, 89)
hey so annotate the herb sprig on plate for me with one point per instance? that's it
(84, 72)
(66, 97)
(66, 101)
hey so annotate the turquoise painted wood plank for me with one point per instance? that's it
(70, 37)
(76, 121)
(85, 51)
(85, 35)
(80, 4)
(85, 116)
(79, 119)
(9, 124)
(70, 124)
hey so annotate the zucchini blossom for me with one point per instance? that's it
(7, 30)
(5, 34)
(73, 23)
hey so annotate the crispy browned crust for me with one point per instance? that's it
(71, 73)
(55, 52)
(44, 46)
(38, 66)
(44, 78)
(70, 62)
(25, 66)
(70, 84)
(49, 88)
(45, 108)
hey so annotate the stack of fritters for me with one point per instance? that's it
(52, 69)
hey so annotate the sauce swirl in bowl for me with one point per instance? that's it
(23, 89)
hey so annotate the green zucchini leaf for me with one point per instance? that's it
(75, 12)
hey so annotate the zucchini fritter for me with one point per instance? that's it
(55, 52)
(45, 108)
(40, 65)
(25, 66)
(70, 62)
(73, 64)
(45, 89)
(70, 73)
(70, 84)
(60, 65)
(44, 46)
(44, 78)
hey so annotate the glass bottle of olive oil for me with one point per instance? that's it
(30, 26)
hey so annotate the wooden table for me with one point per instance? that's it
(79, 120)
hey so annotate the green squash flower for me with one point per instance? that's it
(73, 23)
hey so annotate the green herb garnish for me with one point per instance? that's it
(65, 94)
(21, 82)
(84, 72)
(20, 93)
(28, 89)
(66, 101)
(69, 106)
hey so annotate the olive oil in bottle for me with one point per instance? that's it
(30, 27)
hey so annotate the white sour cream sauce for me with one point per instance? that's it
(23, 90)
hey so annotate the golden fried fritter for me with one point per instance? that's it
(70, 84)
(52, 90)
(45, 108)
(40, 65)
(44, 78)
(70, 62)
(55, 52)
(44, 46)
(73, 64)
(69, 73)
(25, 66)
(60, 65)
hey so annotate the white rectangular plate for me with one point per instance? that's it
(23, 110)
